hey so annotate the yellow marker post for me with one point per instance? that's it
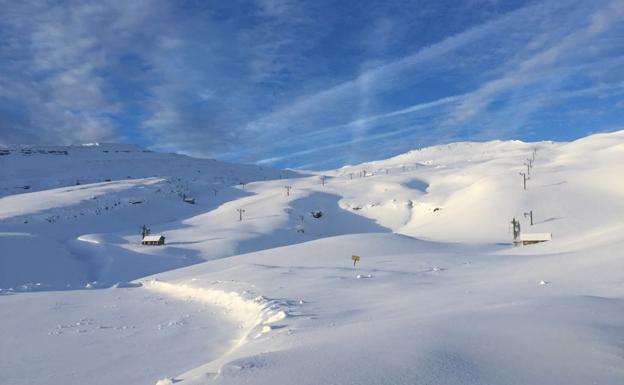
(355, 259)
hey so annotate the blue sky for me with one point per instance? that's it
(311, 84)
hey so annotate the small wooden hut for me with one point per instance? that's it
(531, 238)
(153, 240)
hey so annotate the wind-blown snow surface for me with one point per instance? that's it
(439, 296)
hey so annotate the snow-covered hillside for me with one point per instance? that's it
(63, 200)
(439, 295)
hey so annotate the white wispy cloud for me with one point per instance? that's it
(544, 57)
(293, 83)
(388, 75)
(552, 54)
(55, 68)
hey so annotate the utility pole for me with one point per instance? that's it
(530, 215)
(287, 190)
(534, 151)
(524, 179)
(323, 180)
(215, 191)
(351, 176)
(528, 168)
(240, 214)
(516, 229)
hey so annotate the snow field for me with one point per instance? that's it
(108, 336)
(439, 295)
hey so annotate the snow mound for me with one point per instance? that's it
(252, 313)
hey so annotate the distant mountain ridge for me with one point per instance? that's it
(41, 167)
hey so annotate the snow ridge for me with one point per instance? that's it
(256, 315)
(250, 312)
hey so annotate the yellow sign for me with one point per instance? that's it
(355, 259)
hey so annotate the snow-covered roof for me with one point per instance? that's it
(535, 236)
(152, 238)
